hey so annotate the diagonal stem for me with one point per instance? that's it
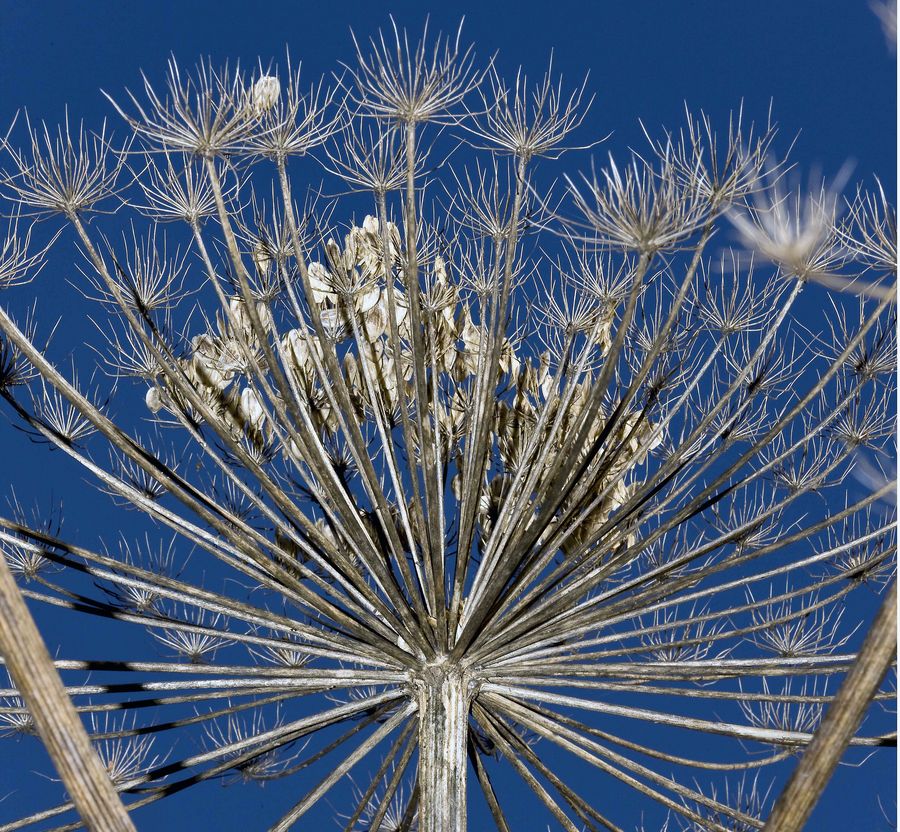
(54, 716)
(815, 768)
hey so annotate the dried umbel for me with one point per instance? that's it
(467, 482)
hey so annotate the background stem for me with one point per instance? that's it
(55, 719)
(796, 802)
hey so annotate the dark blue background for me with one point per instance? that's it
(824, 64)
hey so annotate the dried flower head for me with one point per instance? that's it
(266, 90)
(480, 483)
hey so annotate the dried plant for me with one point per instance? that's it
(886, 10)
(489, 477)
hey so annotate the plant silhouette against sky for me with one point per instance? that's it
(480, 470)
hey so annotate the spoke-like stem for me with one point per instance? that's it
(342, 768)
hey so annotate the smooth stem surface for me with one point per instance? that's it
(59, 726)
(815, 768)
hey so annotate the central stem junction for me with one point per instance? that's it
(444, 695)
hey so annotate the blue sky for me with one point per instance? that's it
(822, 65)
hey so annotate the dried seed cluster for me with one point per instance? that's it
(499, 487)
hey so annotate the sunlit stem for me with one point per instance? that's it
(443, 696)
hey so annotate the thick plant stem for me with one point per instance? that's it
(443, 692)
(815, 768)
(55, 719)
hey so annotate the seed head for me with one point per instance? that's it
(266, 91)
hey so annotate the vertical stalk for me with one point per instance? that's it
(478, 423)
(427, 431)
(443, 692)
